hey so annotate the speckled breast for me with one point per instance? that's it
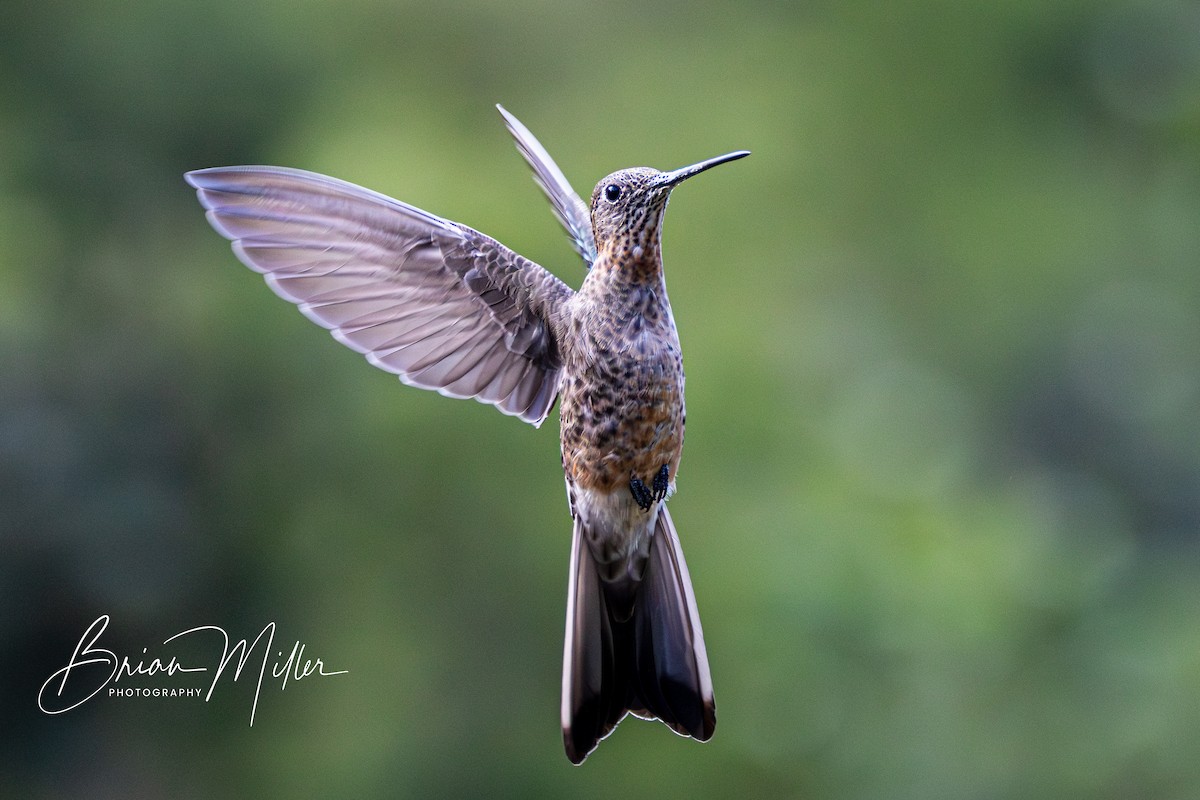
(622, 411)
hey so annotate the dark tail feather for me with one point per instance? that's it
(674, 683)
(653, 664)
(595, 690)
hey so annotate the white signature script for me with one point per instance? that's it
(90, 655)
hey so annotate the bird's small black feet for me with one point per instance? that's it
(662, 482)
(647, 496)
(641, 495)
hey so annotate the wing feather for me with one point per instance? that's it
(571, 211)
(439, 304)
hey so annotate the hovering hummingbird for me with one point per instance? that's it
(447, 308)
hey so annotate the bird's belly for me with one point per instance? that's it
(623, 417)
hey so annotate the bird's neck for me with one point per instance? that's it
(632, 261)
(627, 292)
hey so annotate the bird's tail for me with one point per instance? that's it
(651, 663)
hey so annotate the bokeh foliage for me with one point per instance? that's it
(941, 493)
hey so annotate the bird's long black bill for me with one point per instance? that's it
(683, 173)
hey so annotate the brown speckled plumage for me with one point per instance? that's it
(621, 394)
(447, 308)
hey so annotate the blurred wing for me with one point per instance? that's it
(570, 210)
(440, 305)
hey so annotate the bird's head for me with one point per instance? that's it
(628, 206)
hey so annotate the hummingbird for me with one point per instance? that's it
(447, 308)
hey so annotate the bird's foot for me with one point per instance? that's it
(647, 496)
(662, 482)
(641, 494)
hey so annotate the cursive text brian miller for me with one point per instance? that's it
(92, 668)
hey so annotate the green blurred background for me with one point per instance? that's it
(941, 493)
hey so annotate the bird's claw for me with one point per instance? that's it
(647, 496)
(641, 495)
(661, 483)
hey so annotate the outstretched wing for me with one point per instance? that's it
(440, 305)
(570, 210)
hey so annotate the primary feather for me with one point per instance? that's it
(439, 304)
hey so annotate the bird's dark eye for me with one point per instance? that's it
(612, 192)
